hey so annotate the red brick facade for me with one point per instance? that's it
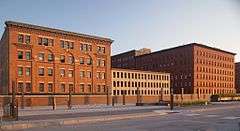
(44, 61)
(194, 67)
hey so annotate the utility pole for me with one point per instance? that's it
(22, 97)
(70, 98)
(108, 103)
(182, 92)
(171, 101)
(124, 97)
(53, 102)
(138, 96)
(14, 105)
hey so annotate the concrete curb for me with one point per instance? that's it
(80, 120)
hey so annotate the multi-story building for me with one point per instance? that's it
(44, 60)
(127, 59)
(237, 77)
(148, 83)
(196, 68)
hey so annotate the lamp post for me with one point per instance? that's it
(108, 103)
(171, 99)
(138, 96)
(22, 97)
(70, 98)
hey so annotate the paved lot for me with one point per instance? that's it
(218, 119)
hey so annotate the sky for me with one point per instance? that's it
(135, 24)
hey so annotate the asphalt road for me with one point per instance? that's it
(214, 120)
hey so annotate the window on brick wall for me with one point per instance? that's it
(20, 71)
(62, 59)
(50, 57)
(41, 71)
(62, 72)
(50, 87)
(20, 87)
(62, 87)
(28, 87)
(20, 38)
(50, 71)
(20, 54)
(41, 87)
(28, 55)
(81, 59)
(27, 39)
(41, 56)
(28, 71)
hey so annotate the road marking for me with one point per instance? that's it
(194, 114)
(230, 118)
(211, 115)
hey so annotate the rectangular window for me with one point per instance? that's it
(70, 86)
(103, 75)
(45, 41)
(27, 39)
(41, 56)
(62, 87)
(81, 74)
(50, 42)
(70, 59)
(98, 88)
(20, 38)
(41, 87)
(98, 62)
(102, 63)
(70, 73)
(81, 60)
(50, 87)
(41, 71)
(39, 41)
(28, 55)
(50, 71)
(62, 72)
(62, 43)
(89, 88)
(62, 59)
(89, 47)
(28, 71)
(89, 74)
(71, 45)
(82, 87)
(50, 57)
(20, 71)
(20, 87)
(28, 87)
(89, 61)
(98, 75)
(20, 54)
(81, 47)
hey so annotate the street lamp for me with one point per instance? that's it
(171, 99)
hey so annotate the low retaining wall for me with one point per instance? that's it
(45, 100)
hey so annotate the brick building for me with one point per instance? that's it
(197, 68)
(149, 83)
(127, 59)
(237, 77)
(44, 60)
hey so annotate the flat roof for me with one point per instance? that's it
(191, 44)
(137, 70)
(37, 27)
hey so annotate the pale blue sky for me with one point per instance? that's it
(133, 24)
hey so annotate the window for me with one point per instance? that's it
(98, 62)
(85, 47)
(71, 45)
(62, 44)
(20, 55)
(39, 41)
(81, 60)
(103, 75)
(62, 72)
(28, 71)
(50, 57)
(62, 59)
(20, 38)
(45, 41)
(82, 87)
(100, 49)
(41, 87)
(70, 60)
(81, 74)
(28, 87)
(89, 74)
(89, 88)
(62, 87)
(28, 55)
(20, 87)
(103, 63)
(41, 71)
(50, 42)
(50, 87)
(70, 86)
(98, 88)
(98, 75)
(41, 56)
(27, 39)
(89, 61)
(70, 73)
(50, 71)
(20, 71)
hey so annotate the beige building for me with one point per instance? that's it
(147, 82)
